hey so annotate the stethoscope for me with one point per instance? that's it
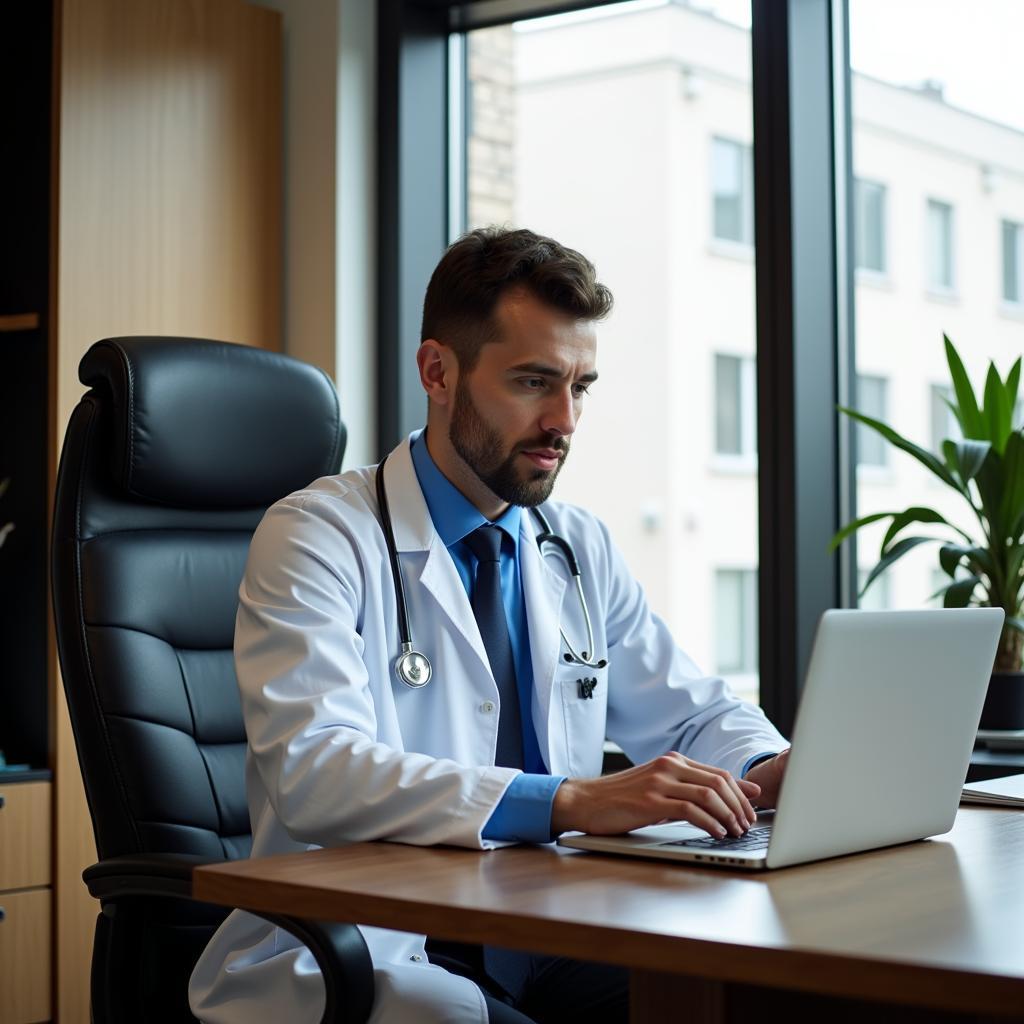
(413, 667)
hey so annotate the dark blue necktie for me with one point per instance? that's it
(489, 609)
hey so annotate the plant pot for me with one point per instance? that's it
(1004, 703)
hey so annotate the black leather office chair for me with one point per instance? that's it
(168, 465)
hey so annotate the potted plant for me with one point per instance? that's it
(985, 566)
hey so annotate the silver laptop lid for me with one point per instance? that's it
(885, 728)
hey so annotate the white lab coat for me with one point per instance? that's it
(341, 752)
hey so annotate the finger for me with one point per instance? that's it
(750, 789)
(684, 810)
(710, 801)
(725, 785)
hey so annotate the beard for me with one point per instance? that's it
(481, 447)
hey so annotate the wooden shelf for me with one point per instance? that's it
(11, 322)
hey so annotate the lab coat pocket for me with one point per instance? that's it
(584, 694)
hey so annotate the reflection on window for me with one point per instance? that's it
(869, 229)
(732, 184)
(1013, 262)
(877, 597)
(736, 621)
(872, 399)
(734, 405)
(940, 246)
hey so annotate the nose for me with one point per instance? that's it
(561, 413)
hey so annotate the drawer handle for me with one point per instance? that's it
(3, 800)
(3, 913)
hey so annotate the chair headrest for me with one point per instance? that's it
(206, 424)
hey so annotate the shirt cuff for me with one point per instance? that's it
(523, 814)
(756, 759)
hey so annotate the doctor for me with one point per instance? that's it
(527, 676)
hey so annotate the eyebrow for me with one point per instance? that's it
(543, 370)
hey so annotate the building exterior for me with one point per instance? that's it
(630, 135)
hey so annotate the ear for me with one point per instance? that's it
(439, 371)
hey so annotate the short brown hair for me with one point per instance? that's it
(477, 269)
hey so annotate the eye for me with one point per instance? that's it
(533, 383)
(579, 390)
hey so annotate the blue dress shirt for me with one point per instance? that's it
(524, 812)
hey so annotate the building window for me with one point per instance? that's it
(872, 400)
(869, 238)
(877, 598)
(940, 246)
(944, 424)
(1013, 262)
(732, 186)
(735, 408)
(736, 621)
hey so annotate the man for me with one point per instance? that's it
(504, 743)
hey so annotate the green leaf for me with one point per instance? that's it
(856, 525)
(915, 514)
(921, 454)
(967, 404)
(966, 457)
(897, 551)
(958, 593)
(1012, 384)
(1013, 476)
(4, 484)
(1014, 623)
(951, 555)
(998, 414)
(991, 483)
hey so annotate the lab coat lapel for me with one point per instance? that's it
(544, 592)
(414, 531)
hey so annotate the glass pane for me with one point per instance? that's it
(871, 400)
(1012, 263)
(625, 132)
(728, 425)
(869, 198)
(939, 126)
(940, 245)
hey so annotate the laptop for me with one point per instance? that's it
(881, 745)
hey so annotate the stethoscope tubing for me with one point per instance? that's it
(546, 536)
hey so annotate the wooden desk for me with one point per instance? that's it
(936, 924)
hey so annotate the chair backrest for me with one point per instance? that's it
(169, 462)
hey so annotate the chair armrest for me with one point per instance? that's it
(339, 949)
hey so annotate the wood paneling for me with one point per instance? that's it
(931, 924)
(167, 220)
(25, 835)
(25, 956)
(18, 322)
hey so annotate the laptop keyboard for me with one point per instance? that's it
(755, 839)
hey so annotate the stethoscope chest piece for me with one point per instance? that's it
(413, 669)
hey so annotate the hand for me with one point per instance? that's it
(669, 788)
(768, 775)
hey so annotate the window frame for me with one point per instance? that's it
(804, 281)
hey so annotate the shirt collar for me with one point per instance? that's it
(454, 515)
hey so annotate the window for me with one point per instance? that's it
(1013, 262)
(877, 597)
(872, 400)
(944, 424)
(736, 621)
(732, 185)
(869, 229)
(940, 246)
(735, 410)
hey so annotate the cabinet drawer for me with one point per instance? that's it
(25, 956)
(24, 834)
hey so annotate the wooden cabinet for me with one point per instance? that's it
(143, 196)
(26, 903)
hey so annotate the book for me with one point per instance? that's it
(1005, 792)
